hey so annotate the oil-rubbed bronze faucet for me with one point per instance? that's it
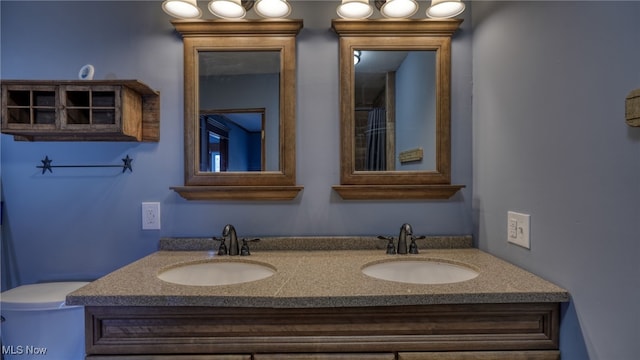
(230, 232)
(405, 230)
(234, 249)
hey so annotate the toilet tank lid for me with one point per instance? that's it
(43, 296)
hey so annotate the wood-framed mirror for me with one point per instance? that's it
(395, 109)
(239, 109)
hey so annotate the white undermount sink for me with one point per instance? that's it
(419, 271)
(214, 273)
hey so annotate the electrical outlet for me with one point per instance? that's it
(150, 216)
(518, 229)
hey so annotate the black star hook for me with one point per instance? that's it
(127, 164)
(46, 164)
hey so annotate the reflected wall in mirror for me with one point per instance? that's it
(395, 108)
(234, 71)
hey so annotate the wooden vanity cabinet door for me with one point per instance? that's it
(169, 357)
(334, 356)
(482, 355)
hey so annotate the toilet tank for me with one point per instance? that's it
(37, 324)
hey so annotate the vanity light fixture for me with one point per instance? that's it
(443, 9)
(397, 9)
(355, 9)
(183, 9)
(356, 56)
(227, 9)
(273, 9)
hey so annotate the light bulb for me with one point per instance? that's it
(273, 8)
(355, 9)
(183, 9)
(399, 9)
(443, 9)
(227, 9)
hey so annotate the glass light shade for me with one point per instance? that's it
(399, 9)
(443, 9)
(274, 9)
(227, 9)
(183, 9)
(355, 9)
(356, 56)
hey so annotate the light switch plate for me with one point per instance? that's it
(518, 229)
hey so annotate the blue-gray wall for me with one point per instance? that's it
(550, 140)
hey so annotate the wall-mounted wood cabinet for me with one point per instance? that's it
(96, 110)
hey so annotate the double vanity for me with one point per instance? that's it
(321, 298)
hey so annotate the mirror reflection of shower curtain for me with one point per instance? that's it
(376, 140)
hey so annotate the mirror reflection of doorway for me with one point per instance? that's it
(232, 140)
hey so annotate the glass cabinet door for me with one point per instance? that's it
(92, 107)
(30, 107)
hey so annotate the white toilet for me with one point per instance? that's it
(37, 324)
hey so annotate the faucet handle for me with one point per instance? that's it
(413, 247)
(244, 251)
(391, 250)
(222, 249)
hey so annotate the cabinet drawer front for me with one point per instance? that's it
(347, 356)
(170, 357)
(203, 330)
(483, 355)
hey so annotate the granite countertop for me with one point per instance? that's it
(316, 277)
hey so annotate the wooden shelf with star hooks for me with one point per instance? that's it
(46, 165)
